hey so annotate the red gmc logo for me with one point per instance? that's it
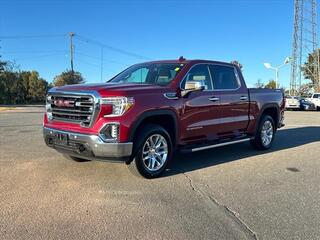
(63, 103)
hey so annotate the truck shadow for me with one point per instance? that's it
(285, 139)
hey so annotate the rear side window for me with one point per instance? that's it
(199, 73)
(316, 96)
(224, 77)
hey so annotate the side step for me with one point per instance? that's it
(196, 149)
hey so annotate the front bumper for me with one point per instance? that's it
(90, 147)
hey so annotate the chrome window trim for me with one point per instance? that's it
(206, 90)
(235, 73)
(213, 89)
(96, 102)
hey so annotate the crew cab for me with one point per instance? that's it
(144, 114)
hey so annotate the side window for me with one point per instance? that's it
(316, 95)
(223, 77)
(198, 73)
(138, 76)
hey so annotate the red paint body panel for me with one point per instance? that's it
(198, 119)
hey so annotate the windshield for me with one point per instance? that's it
(149, 73)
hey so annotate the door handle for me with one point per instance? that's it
(214, 99)
(243, 98)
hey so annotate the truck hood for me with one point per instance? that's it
(110, 88)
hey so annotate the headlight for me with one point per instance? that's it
(119, 105)
(49, 108)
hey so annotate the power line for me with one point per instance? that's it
(115, 49)
(33, 36)
(36, 57)
(72, 48)
(98, 59)
(81, 38)
(88, 63)
(31, 51)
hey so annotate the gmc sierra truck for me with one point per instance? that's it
(150, 110)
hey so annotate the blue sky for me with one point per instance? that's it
(250, 31)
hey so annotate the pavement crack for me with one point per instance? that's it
(230, 213)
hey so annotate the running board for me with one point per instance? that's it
(220, 144)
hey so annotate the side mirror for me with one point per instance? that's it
(192, 86)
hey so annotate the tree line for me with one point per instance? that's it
(28, 87)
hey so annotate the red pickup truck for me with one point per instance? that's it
(150, 110)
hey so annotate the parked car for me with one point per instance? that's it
(305, 105)
(150, 110)
(315, 99)
(292, 103)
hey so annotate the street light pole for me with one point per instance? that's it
(269, 66)
(277, 76)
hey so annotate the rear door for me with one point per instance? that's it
(234, 99)
(200, 112)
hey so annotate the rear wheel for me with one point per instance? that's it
(265, 134)
(152, 152)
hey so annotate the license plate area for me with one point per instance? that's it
(61, 139)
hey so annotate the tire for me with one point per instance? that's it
(75, 158)
(150, 161)
(263, 141)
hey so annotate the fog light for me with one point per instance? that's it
(110, 132)
(114, 131)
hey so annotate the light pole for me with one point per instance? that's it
(269, 66)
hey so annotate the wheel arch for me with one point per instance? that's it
(166, 118)
(271, 109)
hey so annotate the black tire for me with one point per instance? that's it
(75, 158)
(257, 142)
(318, 108)
(137, 165)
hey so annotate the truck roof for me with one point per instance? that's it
(192, 61)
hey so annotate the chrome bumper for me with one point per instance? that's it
(90, 147)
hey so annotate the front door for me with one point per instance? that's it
(200, 112)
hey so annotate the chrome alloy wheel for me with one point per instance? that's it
(155, 152)
(267, 133)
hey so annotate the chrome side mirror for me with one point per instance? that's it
(193, 86)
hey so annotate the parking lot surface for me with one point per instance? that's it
(233, 192)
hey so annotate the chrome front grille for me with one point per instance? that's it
(73, 108)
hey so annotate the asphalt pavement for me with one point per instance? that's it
(232, 192)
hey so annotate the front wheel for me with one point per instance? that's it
(152, 152)
(265, 133)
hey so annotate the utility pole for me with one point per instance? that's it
(101, 64)
(71, 34)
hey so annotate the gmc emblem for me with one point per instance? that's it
(63, 103)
